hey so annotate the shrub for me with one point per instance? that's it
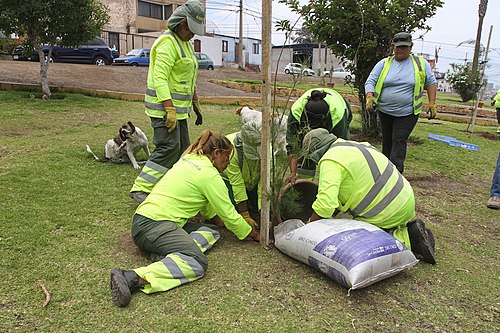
(465, 82)
(7, 45)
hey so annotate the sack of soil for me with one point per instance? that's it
(354, 254)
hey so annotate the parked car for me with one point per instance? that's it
(296, 68)
(204, 61)
(339, 73)
(136, 57)
(95, 51)
(24, 52)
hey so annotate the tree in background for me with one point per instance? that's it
(69, 22)
(360, 32)
(303, 36)
(483, 5)
(464, 80)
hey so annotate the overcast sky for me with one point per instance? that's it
(454, 23)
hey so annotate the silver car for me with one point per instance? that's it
(339, 73)
(296, 68)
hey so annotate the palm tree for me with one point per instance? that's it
(483, 4)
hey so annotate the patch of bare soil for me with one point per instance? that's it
(126, 244)
(360, 137)
(489, 136)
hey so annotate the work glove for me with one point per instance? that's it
(431, 113)
(493, 103)
(370, 103)
(249, 220)
(171, 120)
(197, 110)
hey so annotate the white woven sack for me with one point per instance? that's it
(354, 254)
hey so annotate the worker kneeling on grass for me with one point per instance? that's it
(243, 171)
(316, 108)
(356, 178)
(160, 223)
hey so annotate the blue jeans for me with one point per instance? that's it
(495, 184)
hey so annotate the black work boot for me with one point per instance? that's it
(123, 284)
(422, 241)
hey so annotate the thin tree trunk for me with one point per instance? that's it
(482, 11)
(44, 67)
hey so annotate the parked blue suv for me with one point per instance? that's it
(96, 51)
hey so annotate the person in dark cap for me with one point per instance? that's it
(395, 88)
(316, 108)
(171, 94)
(355, 177)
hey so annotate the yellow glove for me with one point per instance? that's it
(171, 120)
(431, 113)
(249, 220)
(370, 103)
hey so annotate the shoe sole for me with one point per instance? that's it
(426, 249)
(120, 291)
(493, 206)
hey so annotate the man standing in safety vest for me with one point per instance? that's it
(356, 178)
(171, 94)
(396, 86)
(495, 101)
(316, 108)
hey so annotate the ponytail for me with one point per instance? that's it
(207, 143)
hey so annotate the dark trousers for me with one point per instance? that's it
(498, 116)
(165, 237)
(395, 134)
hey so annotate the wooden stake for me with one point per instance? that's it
(266, 108)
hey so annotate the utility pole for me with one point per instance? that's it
(241, 63)
(483, 68)
(320, 69)
(265, 174)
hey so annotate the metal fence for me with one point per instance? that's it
(124, 42)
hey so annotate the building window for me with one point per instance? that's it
(197, 45)
(167, 11)
(255, 47)
(152, 10)
(224, 46)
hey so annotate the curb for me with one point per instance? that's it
(224, 100)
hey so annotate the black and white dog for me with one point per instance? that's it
(122, 149)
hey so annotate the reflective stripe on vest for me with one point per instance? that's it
(181, 101)
(418, 90)
(380, 180)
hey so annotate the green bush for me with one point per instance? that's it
(465, 82)
(7, 45)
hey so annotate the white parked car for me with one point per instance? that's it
(339, 73)
(296, 68)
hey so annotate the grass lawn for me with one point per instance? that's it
(65, 223)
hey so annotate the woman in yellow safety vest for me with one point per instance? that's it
(171, 94)
(356, 178)
(160, 225)
(396, 87)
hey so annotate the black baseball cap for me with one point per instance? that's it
(402, 39)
